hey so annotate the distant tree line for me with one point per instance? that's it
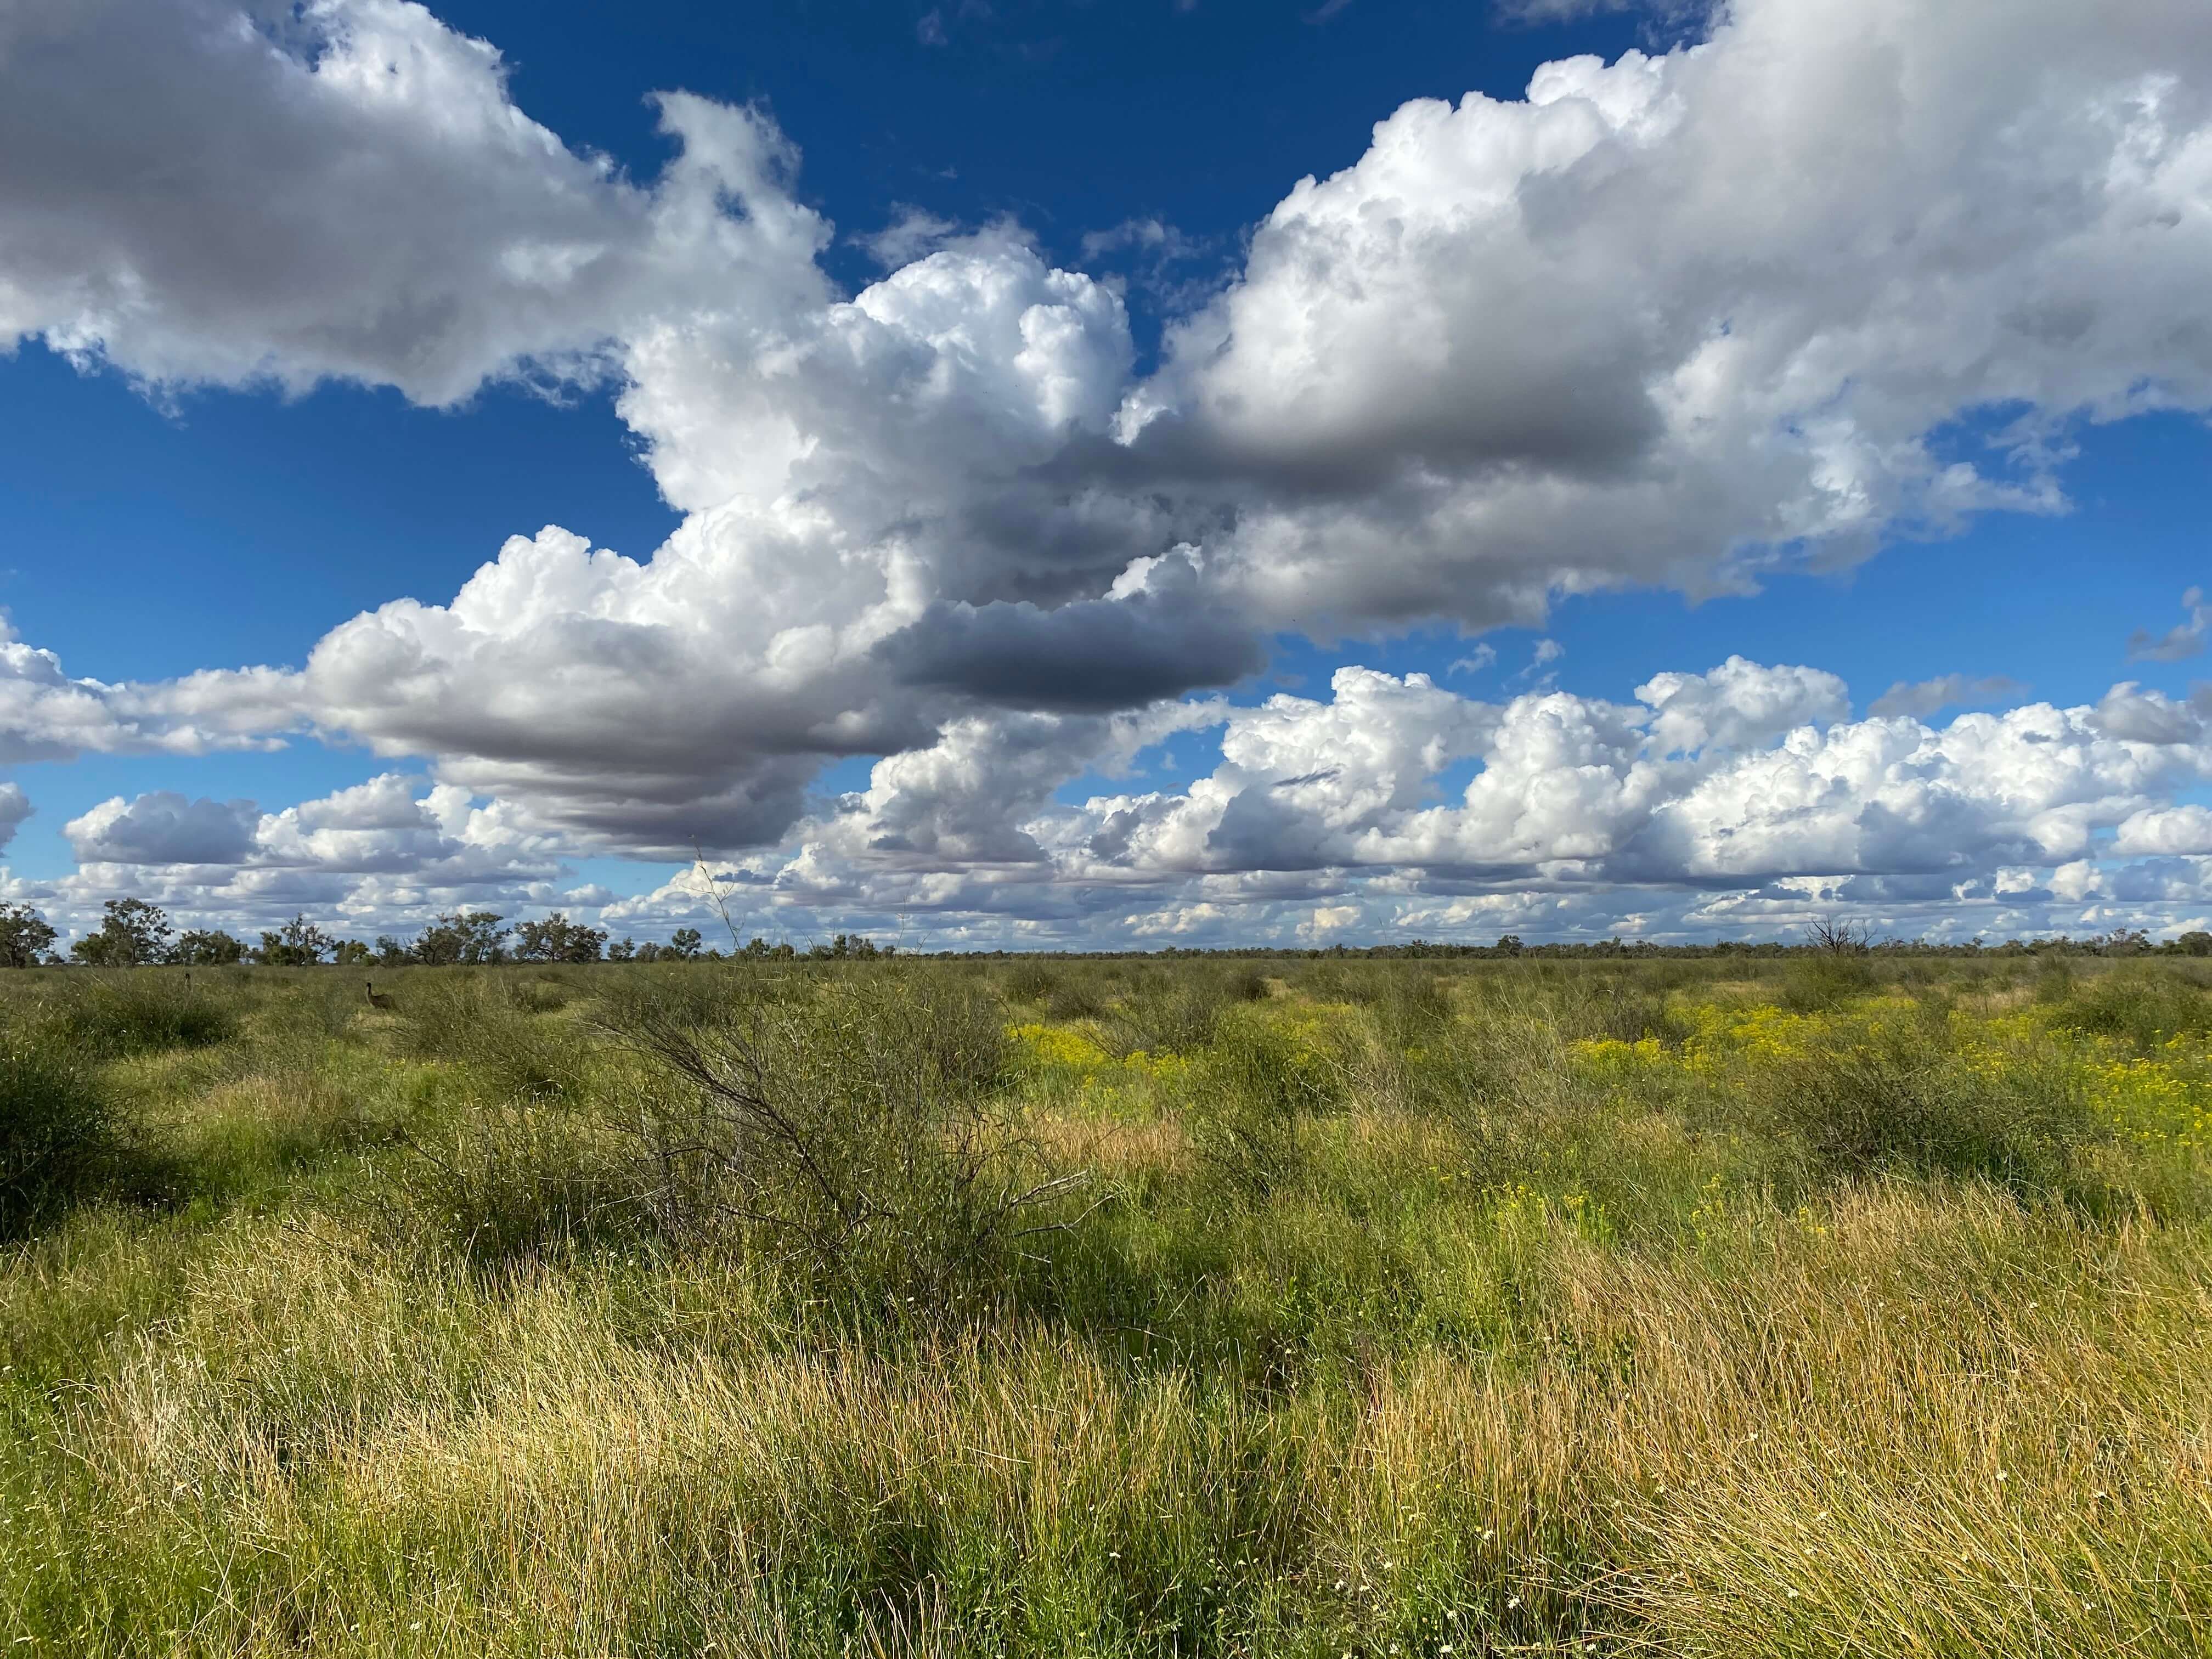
(133, 933)
(1819, 940)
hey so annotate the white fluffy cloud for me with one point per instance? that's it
(1669, 315)
(383, 854)
(1670, 320)
(234, 190)
(2164, 831)
(45, 715)
(1737, 798)
(1761, 779)
(1745, 798)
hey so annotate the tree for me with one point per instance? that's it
(24, 936)
(557, 938)
(623, 950)
(298, 944)
(2195, 943)
(208, 948)
(1839, 939)
(131, 932)
(684, 942)
(465, 936)
(391, 953)
(352, 953)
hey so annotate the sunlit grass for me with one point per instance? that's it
(1560, 1323)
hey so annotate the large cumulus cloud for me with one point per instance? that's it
(1745, 798)
(1770, 781)
(231, 191)
(1669, 317)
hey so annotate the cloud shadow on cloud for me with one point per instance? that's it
(1092, 656)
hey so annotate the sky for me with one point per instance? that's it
(1033, 474)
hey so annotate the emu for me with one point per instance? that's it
(374, 1000)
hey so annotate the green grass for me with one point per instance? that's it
(1663, 1308)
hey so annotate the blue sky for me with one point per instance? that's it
(1123, 431)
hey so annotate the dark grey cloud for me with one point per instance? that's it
(14, 807)
(1090, 657)
(164, 828)
(2182, 641)
(1924, 697)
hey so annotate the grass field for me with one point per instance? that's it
(1847, 1308)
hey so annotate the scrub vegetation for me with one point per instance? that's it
(1818, 1305)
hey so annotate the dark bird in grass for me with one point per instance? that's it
(374, 1000)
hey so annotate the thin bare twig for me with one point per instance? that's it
(715, 894)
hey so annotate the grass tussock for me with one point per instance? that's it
(59, 1129)
(1366, 1308)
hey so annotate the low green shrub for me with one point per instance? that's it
(131, 1012)
(1030, 982)
(1167, 1014)
(1246, 982)
(538, 995)
(1255, 1083)
(517, 1179)
(1075, 999)
(60, 1131)
(1898, 1096)
(485, 1022)
(1811, 984)
(1412, 1008)
(862, 1131)
(2145, 1007)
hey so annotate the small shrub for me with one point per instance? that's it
(1504, 1075)
(1246, 982)
(1169, 1014)
(518, 1178)
(2144, 1006)
(1629, 1011)
(1075, 999)
(59, 1131)
(539, 995)
(2055, 980)
(861, 1131)
(1811, 984)
(1030, 982)
(1255, 1085)
(1340, 982)
(134, 1011)
(1895, 1096)
(1412, 1007)
(691, 993)
(487, 1025)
